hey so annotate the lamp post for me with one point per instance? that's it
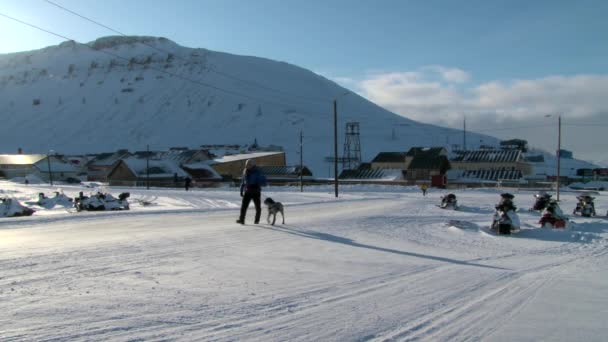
(336, 147)
(48, 160)
(558, 152)
(147, 167)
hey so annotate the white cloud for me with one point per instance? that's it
(439, 95)
(451, 75)
(418, 96)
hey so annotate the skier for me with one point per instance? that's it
(251, 189)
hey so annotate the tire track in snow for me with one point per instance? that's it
(465, 318)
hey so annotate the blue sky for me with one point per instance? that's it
(433, 61)
(492, 39)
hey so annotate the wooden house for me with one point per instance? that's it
(232, 166)
(390, 160)
(41, 166)
(135, 171)
(101, 164)
(426, 163)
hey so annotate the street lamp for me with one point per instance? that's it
(559, 148)
(48, 160)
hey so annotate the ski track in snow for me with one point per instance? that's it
(369, 266)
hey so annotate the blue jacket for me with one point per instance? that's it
(253, 179)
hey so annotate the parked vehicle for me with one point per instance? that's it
(585, 206)
(10, 207)
(542, 200)
(505, 219)
(59, 199)
(449, 202)
(101, 201)
(553, 217)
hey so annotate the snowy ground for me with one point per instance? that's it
(377, 264)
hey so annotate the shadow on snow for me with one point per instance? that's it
(349, 242)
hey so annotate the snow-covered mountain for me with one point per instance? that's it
(129, 92)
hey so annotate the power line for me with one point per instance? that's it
(305, 98)
(235, 93)
(587, 125)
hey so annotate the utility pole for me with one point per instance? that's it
(559, 148)
(336, 147)
(148, 167)
(301, 164)
(48, 160)
(464, 134)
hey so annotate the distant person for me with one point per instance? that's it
(251, 189)
(424, 188)
(187, 182)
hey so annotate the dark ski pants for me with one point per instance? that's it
(247, 197)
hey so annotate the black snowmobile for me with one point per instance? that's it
(542, 200)
(505, 219)
(101, 201)
(449, 202)
(585, 206)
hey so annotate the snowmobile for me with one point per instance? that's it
(101, 201)
(11, 207)
(585, 206)
(449, 202)
(553, 217)
(505, 219)
(60, 199)
(542, 200)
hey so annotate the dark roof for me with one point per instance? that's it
(364, 174)
(493, 175)
(429, 151)
(144, 154)
(278, 171)
(201, 173)
(502, 156)
(179, 156)
(426, 162)
(365, 166)
(108, 159)
(390, 157)
(535, 159)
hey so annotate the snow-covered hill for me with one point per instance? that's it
(119, 92)
(129, 92)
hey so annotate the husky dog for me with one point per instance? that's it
(273, 209)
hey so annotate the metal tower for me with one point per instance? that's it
(352, 147)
